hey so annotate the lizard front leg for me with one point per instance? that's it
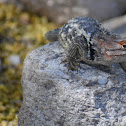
(75, 53)
(72, 57)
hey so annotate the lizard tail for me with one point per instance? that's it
(53, 34)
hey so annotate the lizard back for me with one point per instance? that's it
(81, 26)
(81, 31)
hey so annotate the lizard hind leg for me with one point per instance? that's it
(71, 64)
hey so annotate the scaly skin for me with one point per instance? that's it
(84, 39)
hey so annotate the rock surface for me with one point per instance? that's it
(60, 11)
(53, 97)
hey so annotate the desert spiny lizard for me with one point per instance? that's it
(84, 39)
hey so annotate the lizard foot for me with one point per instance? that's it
(71, 64)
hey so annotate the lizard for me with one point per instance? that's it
(85, 39)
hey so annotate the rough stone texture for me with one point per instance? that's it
(61, 10)
(117, 25)
(51, 97)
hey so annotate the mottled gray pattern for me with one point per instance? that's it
(84, 39)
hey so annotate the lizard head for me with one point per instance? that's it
(110, 48)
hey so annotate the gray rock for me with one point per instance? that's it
(60, 11)
(51, 97)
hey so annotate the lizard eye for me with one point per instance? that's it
(123, 43)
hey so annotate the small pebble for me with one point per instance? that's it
(14, 59)
(102, 80)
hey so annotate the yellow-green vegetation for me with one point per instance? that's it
(20, 32)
